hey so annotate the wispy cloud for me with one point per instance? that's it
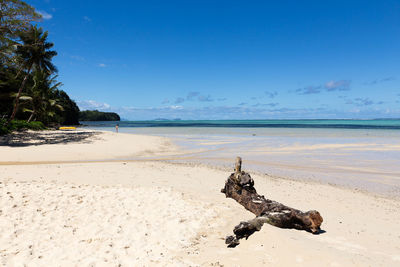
(360, 102)
(388, 79)
(242, 104)
(179, 100)
(78, 58)
(102, 65)
(165, 101)
(175, 107)
(376, 81)
(221, 99)
(249, 112)
(87, 18)
(309, 90)
(45, 15)
(265, 105)
(192, 95)
(92, 104)
(203, 98)
(271, 94)
(342, 85)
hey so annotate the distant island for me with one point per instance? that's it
(95, 115)
(163, 119)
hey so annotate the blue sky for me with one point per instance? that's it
(228, 59)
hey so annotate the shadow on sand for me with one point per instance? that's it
(34, 138)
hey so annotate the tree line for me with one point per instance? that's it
(95, 115)
(29, 91)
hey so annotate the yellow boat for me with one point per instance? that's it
(67, 128)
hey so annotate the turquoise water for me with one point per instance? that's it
(366, 157)
(343, 124)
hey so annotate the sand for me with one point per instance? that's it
(153, 213)
(80, 145)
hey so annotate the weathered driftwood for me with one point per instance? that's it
(240, 187)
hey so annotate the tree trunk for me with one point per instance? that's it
(31, 116)
(240, 187)
(19, 95)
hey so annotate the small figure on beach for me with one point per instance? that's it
(116, 128)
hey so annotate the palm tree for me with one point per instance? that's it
(33, 54)
(42, 96)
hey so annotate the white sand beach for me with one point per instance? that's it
(80, 145)
(83, 202)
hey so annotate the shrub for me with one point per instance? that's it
(36, 125)
(3, 129)
(19, 125)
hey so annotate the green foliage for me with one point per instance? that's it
(34, 50)
(40, 99)
(42, 95)
(8, 85)
(28, 90)
(15, 17)
(95, 115)
(34, 53)
(20, 125)
(3, 128)
(70, 114)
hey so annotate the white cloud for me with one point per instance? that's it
(92, 104)
(87, 18)
(102, 65)
(342, 85)
(176, 107)
(45, 15)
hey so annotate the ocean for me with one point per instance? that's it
(357, 154)
(393, 124)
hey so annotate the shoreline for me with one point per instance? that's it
(89, 201)
(358, 159)
(214, 167)
(175, 154)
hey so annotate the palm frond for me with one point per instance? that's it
(23, 98)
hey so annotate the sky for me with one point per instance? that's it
(228, 59)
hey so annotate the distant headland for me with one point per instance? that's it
(95, 115)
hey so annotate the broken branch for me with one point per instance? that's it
(240, 187)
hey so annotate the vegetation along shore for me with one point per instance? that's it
(30, 93)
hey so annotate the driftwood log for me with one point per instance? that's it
(240, 187)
